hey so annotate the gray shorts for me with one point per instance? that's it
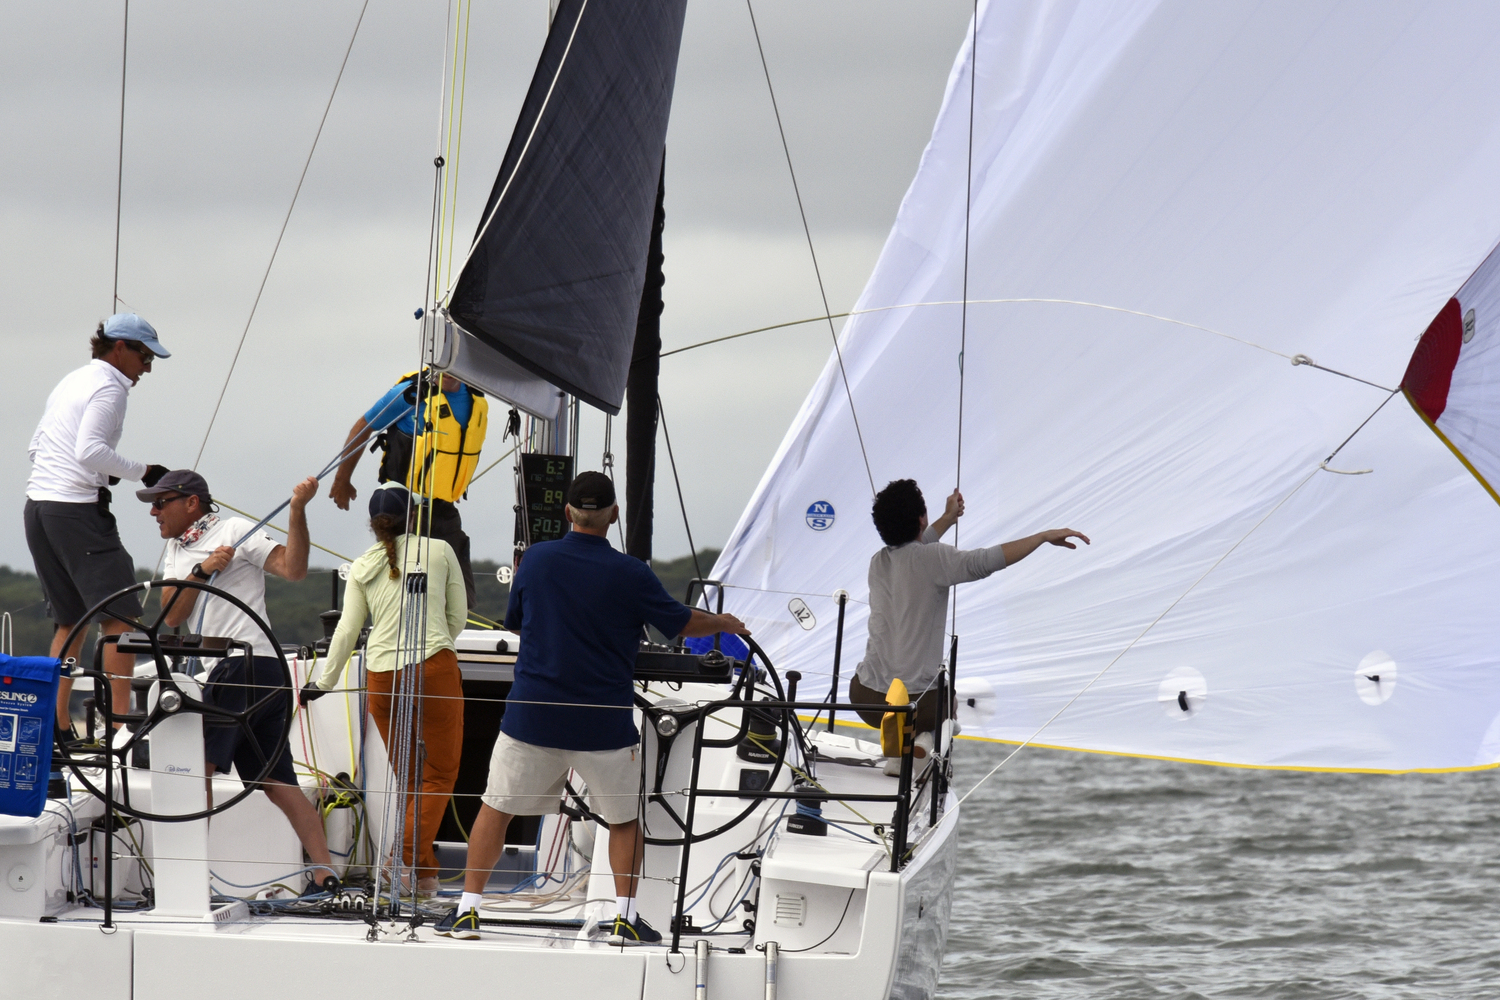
(527, 780)
(79, 559)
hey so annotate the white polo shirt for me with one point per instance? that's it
(244, 577)
(73, 449)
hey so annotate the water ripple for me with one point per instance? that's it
(1088, 876)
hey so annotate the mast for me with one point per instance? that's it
(640, 393)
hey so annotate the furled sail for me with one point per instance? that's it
(553, 280)
(1173, 201)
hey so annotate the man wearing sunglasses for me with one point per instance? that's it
(74, 542)
(200, 544)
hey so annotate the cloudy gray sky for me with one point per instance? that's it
(222, 103)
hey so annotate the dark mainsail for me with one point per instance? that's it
(554, 279)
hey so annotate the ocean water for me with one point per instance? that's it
(1081, 875)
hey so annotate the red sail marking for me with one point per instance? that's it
(1430, 372)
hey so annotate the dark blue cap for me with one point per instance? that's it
(392, 500)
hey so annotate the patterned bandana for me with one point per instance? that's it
(198, 529)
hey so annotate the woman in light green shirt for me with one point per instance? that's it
(376, 588)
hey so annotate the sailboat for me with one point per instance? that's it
(780, 856)
(1181, 276)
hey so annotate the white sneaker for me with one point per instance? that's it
(921, 752)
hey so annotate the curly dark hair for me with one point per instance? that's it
(898, 511)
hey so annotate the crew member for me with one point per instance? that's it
(909, 581)
(579, 607)
(73, 538)
(375, 588)
(200, 544)
(433, 453)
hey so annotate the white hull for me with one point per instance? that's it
(845, 924)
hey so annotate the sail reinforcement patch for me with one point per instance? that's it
(1183, 693)
(1375, 678)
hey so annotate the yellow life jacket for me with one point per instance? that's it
(444, 453)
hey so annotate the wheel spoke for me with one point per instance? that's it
(255, 708)
(221, 715)
(255, 743)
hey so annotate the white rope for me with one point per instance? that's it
(521, 157)
(1296, 359)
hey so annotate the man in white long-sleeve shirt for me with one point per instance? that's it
(74, 542)
(909, 581)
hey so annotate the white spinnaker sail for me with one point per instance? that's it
(1313, 178)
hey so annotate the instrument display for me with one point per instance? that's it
(544, 482)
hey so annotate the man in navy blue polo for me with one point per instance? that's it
(579, 607)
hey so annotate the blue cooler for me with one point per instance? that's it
(28, 713)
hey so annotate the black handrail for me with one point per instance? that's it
(901, 798)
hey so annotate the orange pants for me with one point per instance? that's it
(441, 731)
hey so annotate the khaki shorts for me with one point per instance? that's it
(527, 780)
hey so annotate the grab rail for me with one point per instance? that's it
(901, 797)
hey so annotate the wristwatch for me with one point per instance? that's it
(197, 572)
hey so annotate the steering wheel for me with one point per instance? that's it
(171, 700)
(664, 744)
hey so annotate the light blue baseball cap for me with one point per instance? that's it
(129, 326)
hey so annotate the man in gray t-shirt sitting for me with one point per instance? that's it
(909, 581)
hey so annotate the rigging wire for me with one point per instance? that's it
(282, 233)
(276, 527)
(520, 157)
(456, 134)
(963, 314)
(446, 91)
(607, 463)
(1296, 359)
(662, 415)
(807, 231)
(1322, 466)
(496, 462)
(120, 165)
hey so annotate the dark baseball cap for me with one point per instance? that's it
(392, 500)
(184, 481)
(591, 491)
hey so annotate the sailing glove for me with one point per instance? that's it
(153, 473)
(310, 692)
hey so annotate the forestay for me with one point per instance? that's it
(1315, 179)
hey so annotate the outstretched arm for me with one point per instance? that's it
(1022, 547)
(343, 489)
(703, 623)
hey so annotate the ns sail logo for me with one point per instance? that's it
(820, 515)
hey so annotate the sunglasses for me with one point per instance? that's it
(161, 502)
(147, 355)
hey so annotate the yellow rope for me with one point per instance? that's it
(447, 124)
(246, 513)
(447, 220)
(458, 138)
